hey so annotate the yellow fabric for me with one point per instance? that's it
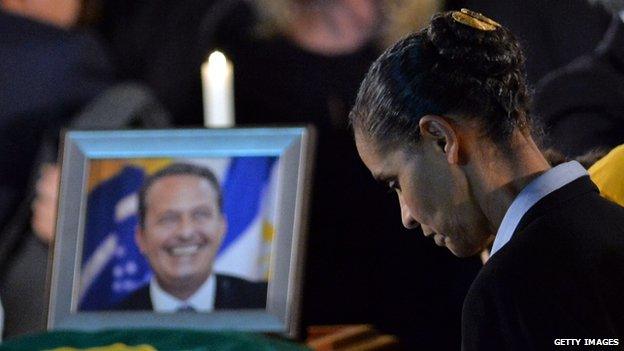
(608, 174)
(113, 347)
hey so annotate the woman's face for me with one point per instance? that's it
(431, 192)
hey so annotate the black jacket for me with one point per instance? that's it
(232, 293)
(560, 276)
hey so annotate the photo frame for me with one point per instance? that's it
(86, 247)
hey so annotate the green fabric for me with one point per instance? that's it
(161, 339)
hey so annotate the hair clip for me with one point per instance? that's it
(481, 17)
(475, 20)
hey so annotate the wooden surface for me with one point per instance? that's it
(349, 338)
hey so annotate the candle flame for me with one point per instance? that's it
(217, 63)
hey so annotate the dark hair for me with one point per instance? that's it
(173, 170)
(448, 68)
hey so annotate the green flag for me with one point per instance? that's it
(148, 339)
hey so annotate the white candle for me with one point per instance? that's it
(218, 91)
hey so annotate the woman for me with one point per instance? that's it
(442, 119)
(302, 62)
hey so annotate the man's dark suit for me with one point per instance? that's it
(582, 104)
(560, 276)
(232, 293)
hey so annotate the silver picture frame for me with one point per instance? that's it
(294, 147)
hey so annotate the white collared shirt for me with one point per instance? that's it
(537, 189)
(201, 301)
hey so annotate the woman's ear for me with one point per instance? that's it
(443, 133)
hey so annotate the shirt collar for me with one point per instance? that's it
(201, 301)
(536, 190)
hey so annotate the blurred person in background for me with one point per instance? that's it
(62, 68)
(582, 104)
(552, 33)
(298, 61)
(50, 69)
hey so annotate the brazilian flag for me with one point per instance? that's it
(148, 340)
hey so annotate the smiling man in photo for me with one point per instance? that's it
(181, 227)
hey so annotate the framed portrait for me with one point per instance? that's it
(155, 224)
